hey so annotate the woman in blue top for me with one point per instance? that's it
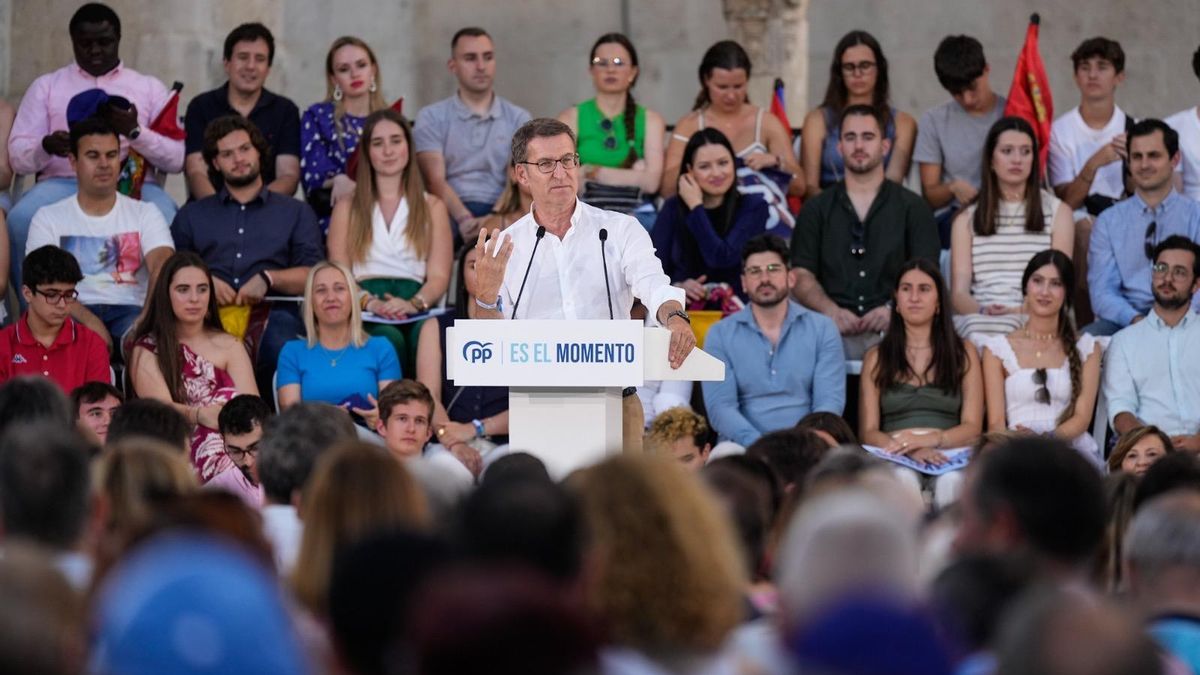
(329, 130)
(701, 231)
(337, 363)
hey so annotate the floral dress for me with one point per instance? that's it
(325, 146)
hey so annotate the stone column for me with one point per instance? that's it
(775, 34)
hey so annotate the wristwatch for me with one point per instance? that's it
(681, 314)
(479, 430)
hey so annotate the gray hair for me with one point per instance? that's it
(291, 443)
(541, 127)
(1165, 532)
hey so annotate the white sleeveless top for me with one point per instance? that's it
(390, 256)
(1020, 402)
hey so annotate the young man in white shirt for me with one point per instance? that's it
(119, 242)
(1187, 123)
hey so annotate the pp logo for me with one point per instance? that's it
(477, 352)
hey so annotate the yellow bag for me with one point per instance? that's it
(235, 319)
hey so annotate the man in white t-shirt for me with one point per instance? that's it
(120, 243)
(1187, 123)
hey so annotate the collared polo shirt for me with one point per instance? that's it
(237, 240)
(476, 148)
(77, 356)
(899, 226)
(275, 116)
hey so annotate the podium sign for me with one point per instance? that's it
(545, 353)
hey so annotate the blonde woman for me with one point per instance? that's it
(393, 236)
(337, 363)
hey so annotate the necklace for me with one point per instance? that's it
(1039, 337)
(333, 358)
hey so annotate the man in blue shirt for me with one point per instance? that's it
(1118, 261)
(782, 361)
(256, 242)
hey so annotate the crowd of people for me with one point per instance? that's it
(229, 442)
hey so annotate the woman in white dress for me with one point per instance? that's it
(1043, 378)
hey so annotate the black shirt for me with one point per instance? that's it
(275, 116)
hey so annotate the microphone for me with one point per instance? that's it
(541, 232)
(604, 260)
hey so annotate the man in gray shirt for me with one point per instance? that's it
(462, 142)
(952, 134)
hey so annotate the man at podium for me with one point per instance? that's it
(591, 266)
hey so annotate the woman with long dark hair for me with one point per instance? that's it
(701, 231)
(922, 387)
(620, 142)
(1043, 377)
(182, 357)
(858, 75)
(991, 241)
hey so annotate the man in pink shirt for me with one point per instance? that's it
(241, 422)
(39, 144)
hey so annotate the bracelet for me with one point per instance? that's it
(364, 300)
(495, 306)
(419, 302)
(267, 278)
(480, 432)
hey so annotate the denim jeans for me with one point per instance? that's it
(118, 319)
(1102, 328)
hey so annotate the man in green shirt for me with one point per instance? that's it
(851, 239)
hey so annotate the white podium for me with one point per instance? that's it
(565, 379)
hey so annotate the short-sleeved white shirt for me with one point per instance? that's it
(1073, 142)
(1187, 124)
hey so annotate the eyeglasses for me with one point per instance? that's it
(53, 297)
(863, 67)
(773, 268)
(547, 165)
(1150, 239)
(238, 455)
(1042, 395)
(615, 62)
(1178, 272)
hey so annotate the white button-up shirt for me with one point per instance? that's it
(567, 277)
(1153, 371)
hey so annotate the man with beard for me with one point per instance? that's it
(851, 240)
(241, 425)
(782, 361)
(1152, 373)
(255, 242)
(1119, 279)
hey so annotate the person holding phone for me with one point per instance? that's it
(338, 362)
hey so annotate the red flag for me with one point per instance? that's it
(352, 160)
(1030, 96)
(779, 110)
(167, 122)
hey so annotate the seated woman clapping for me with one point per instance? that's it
(1041, 377)
(182, 357)
(337, 363)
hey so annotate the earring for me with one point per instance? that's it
(337, 93)
(374, 87)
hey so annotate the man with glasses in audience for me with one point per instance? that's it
(1152, 369)
(851, 240)
(782, 361)
(241, 425)
(46, 341)
(1123, 240)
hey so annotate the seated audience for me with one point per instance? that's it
(93, 404)
(356, 490)
(858, 76)
(766, 163)
(782, 361)
(993, 239)
(831, 427)
(393, 235)
(153, 419)
(256, 242)
(702, 230)
(1043, 378)
(921, 389)
(45, 340)
(851, 240)
(451, 132)
(1186, 123)
(644, 516)
(949, 147)
(241, 425)
(1150, 376)
(337, 363)
(120, 242)
(406, 412)
(1120, 281)
(30, 399)
(620, 142)
(183, 358)
(462, 415)
(248, 56)
(682, 435)
(329, 130)
(1138, 450)
(39, 143)
(292, 442)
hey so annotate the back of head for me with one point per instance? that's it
(33, 399)
(1054, 496)
(242, 413)
(971, 595)
(41, 631)
(792, 453)
(749, 500)
(291, 443)
(520, 466)
(1176, 470)
(136, 477)
(43, 484)
(1164, 534)
(832, 424)
(149, 418)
